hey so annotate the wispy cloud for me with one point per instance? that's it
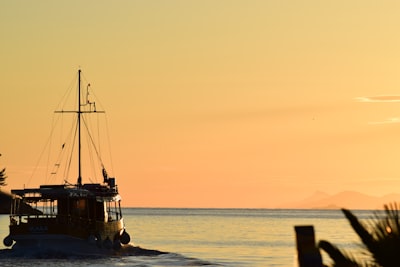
(380, 98)
(387, 121)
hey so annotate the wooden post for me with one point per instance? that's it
(307, 253)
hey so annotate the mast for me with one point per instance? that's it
(79, 182)
(80, 112)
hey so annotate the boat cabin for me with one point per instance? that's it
(63, 208)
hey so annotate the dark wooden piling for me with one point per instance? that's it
(308, 254)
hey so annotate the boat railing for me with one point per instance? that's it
(17, 219)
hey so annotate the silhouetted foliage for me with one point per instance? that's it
(3, 177)
(380, 237)
(339, 258)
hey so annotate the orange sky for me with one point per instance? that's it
(212, 103)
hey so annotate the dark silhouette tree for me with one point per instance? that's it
(380, 238)
(3, 177)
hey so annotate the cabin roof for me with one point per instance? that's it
(98, 191)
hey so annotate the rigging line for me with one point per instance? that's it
(98, 134)
(89, 129)
(98, 146)
(47, 178)
(48, 154)
(56, 166)
(90, 146)
(68, 165)
(67, 92)
(97, 99)
(109, 144)
(95, 108)
(63, 148)
(83, 77)
(91, 160)
(43, 150)
(49, 143)
(92, 141)
(61, 128)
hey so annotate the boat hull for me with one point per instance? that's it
(50, 233)
(58, 246)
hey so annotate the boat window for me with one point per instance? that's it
(113, 210)
(48, 207)
(78, 207)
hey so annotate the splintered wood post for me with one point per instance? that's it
(307, 253)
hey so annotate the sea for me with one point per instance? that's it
(211, 237)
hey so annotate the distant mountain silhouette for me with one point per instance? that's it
(345, 199)
(317, 196)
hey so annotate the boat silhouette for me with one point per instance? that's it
(81, 217)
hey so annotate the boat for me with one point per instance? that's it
(81, 217)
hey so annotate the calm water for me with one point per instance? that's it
(215, 237)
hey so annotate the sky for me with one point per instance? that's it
(237, 104)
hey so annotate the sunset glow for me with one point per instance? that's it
(212, 103)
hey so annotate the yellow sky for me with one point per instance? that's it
(213, 103)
